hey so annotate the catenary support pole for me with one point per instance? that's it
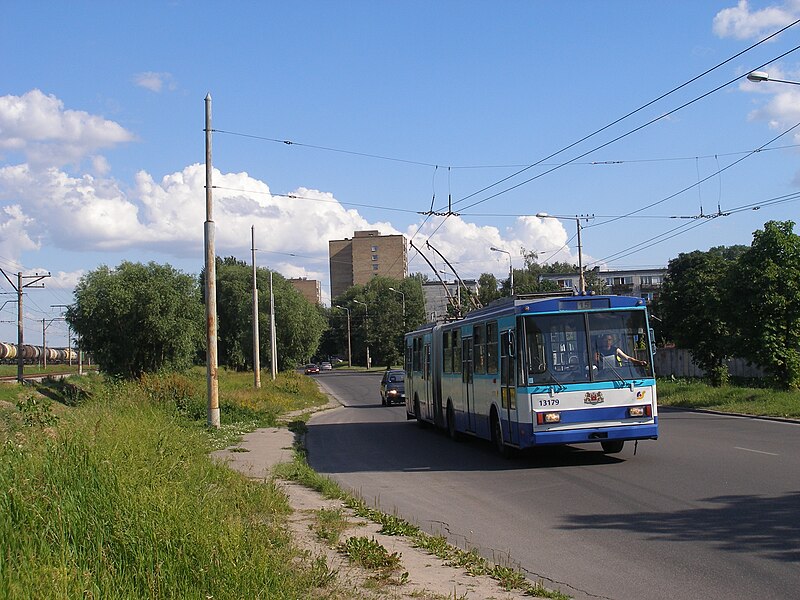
(272, 331)
(256, 347)
(212, 376)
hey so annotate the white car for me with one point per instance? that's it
(326, 366)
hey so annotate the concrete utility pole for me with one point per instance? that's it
(272, 331)
(69, 333)
(212, 376)
(349, 349)
(366, 328)
(20, 329)
(391, 289)
(45, 325)
(577, 218)
(256, 350)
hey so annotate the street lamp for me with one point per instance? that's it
(580, 251)
(758, 76)
(366, 330)
(349, 354)
(510, 267)
(404, 304)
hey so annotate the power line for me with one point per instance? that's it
(327, 148)
(650, 103)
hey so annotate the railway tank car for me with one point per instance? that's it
(36, 354)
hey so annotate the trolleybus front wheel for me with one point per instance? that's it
(612, 446)
(497, 437)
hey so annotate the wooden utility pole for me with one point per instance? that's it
(272, 332)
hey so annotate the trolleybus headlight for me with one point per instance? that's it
(639, 411)
(546, 418)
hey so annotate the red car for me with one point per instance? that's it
(312, 369)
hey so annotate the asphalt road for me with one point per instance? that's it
(710, 510)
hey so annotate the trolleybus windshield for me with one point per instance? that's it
(585, 347)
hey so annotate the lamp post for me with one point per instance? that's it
(349, 354)
(759, 76)
(404, 304)
(510, 267)
(577, 219)
(366, 329)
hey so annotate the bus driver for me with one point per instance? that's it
(610, 354)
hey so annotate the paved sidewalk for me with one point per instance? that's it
(258, 452)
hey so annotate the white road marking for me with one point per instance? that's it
(756, 451)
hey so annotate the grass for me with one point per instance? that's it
(729, 398)
(117, 497)
(329, 524)
(108, 491)
(11, 369)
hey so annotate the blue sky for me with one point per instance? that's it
(392, 107)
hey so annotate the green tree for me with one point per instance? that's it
(386, 324)
(298, 323)
(487, 288)
(693, 310)
(764, 289)
(235, 314)
(138, 318)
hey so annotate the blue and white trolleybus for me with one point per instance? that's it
(532, 371)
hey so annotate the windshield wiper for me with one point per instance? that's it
(617, 373)
(556, 381)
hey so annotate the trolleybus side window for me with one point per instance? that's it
(447, 351)
(479, 341)
(491, 347)
(457, 366)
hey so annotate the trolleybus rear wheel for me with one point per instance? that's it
(451, 423)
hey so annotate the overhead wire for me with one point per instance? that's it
(626, 116)
(689, 187)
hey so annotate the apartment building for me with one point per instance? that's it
(310, 288)
(645, 283)
(356, 260)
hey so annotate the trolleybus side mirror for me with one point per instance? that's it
(652, 340)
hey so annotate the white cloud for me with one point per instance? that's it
(14, 237)
(155, 82)
(96, 212)
(467, 246)
(782, 110)
(741, 22)
(38, 127)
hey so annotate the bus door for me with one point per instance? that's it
(508, 383)
(467, 382)
(427, 375)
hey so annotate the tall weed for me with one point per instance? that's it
(123, 502)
